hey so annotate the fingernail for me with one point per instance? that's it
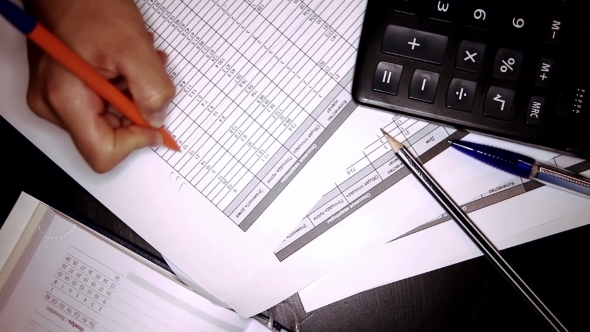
(158, 141)
(157, 119)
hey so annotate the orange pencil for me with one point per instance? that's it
(74, 63)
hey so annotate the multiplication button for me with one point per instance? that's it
(470, 56)
(461, 94)
(386, 77)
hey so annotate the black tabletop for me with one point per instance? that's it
(469, 296)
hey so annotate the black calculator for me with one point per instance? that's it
(517, 70)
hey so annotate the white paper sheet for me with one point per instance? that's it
(70, 279)
(260, 87)
(391, 209)
(507, 223)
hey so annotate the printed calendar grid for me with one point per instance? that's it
(229, 139)
(76, 281)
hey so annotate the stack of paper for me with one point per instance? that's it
(282, 178)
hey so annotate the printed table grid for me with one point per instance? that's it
(248, 78)
(368, 177)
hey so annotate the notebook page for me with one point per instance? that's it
(69, 279)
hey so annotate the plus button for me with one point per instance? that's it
(413, 43)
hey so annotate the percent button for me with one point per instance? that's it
(507, 64)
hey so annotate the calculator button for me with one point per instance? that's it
(498, 103)
(554, 28)
(507, 64)
(404, 6)
(461, 94)
(517, 24)
(386, 77)
(478, 15)
(544, 71)
(535, 111)
(414, 44)
(443, 10)
(423, 85)
(470, 56)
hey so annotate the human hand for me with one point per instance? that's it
(111, 36)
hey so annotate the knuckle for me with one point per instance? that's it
(55, 93)
(161, 96)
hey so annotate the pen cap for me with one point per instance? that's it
(505, 160)
(17, 17)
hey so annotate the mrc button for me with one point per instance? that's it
(534, 112)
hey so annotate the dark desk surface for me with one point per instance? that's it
(466, 296)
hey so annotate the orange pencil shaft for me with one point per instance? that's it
(93, 79)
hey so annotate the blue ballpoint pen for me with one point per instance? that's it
(526, 167)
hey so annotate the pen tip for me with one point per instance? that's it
(450, 142)
(393, 143)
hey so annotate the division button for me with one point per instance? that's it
(461, 94)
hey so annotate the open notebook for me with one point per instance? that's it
(58, 275)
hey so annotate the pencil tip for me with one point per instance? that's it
(393, 143)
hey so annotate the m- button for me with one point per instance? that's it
(414, 44)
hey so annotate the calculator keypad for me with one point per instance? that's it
(503, 67)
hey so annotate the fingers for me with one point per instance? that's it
(149, 84)
(35, 97)
(98, 135)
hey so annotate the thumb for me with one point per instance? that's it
(103, 153)
(149, 84)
